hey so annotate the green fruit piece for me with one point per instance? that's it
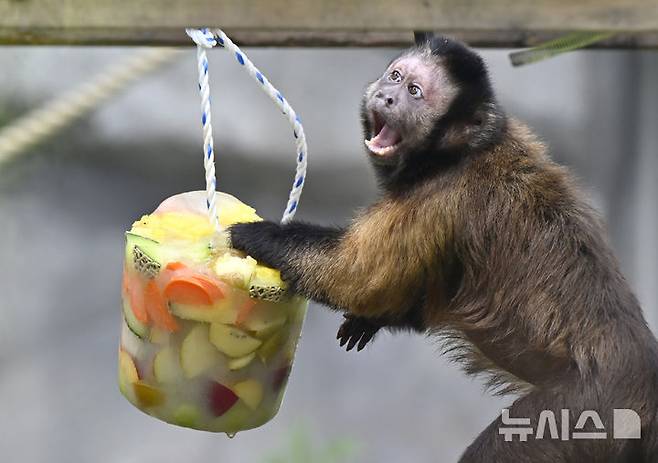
(264, 319)
(271, 346)
(250, 391)
(235, 270)
(232, 341)
(197, 354)
(187, 415)
(147, 395)
(241, 362)
(127, 375)
(138, 328)
(237, 418)
(266, 284)
(143, 254)
(166, 366)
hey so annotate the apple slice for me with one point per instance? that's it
(127, 375)
(241, 362)
(232, 341)
(250, 392)
(166, 366)
(264, 319)
(222, 311)
(197, 354)
(221, 399)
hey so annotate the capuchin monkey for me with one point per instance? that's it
(481, 239)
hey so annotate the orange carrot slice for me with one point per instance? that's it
(175, 266)
(192, 289)
(156, 307)
(135, 292)
(245, 311)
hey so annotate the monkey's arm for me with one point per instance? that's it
(373, 269)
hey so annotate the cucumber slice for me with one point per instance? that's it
(144, 254)
(138, 328)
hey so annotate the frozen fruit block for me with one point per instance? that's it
(208, 333)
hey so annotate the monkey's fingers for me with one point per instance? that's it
(356, 331)
(367, 336)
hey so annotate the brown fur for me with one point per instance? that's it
(482, 240)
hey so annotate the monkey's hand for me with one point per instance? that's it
(357, 330)
(261, 240)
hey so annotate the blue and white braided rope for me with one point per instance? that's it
(205, 38)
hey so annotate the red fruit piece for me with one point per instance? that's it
(280, 377)
(221, 399)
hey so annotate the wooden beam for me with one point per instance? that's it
(323, 23)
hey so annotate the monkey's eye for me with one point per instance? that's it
(395, 76)
(415, 91)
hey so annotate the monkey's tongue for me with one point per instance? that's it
(385, 141)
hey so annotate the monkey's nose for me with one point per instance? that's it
(389, 101)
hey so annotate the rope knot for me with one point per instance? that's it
(202, 37)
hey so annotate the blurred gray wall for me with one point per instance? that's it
(65, 204)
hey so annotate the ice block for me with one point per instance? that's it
(208, 334)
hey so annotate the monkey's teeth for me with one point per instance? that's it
(380, 150)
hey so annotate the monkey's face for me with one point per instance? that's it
(400, 109)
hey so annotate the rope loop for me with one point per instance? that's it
(204, 39)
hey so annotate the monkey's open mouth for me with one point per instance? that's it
(384, 139)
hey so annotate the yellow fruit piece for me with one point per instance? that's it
(250, 391)
(236, 212)
(235, 270)
(241, 362)
(127, 375)
(147, 395)
(174, 226)
(232, 341)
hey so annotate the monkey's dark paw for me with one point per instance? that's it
(258, 239)
(356, 331)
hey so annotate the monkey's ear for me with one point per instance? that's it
(422, 37)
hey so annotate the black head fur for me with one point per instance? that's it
(473, 115)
